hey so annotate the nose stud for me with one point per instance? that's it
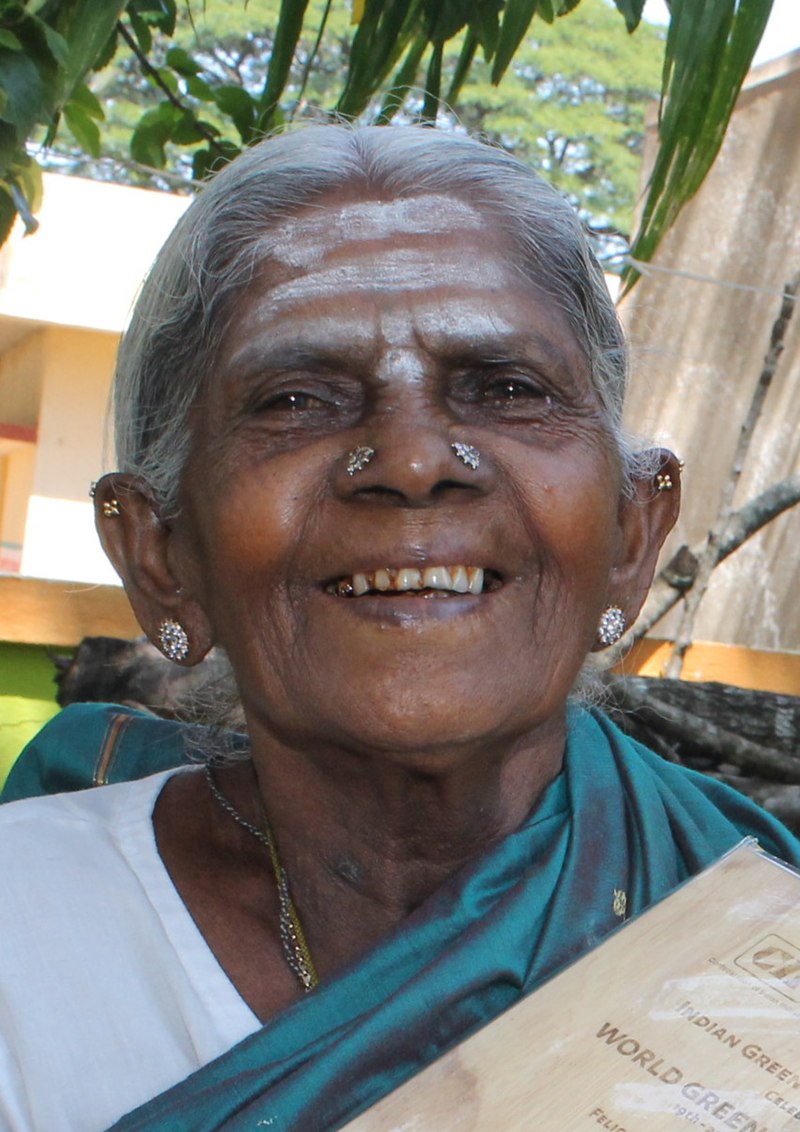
(358, 459)
(467, 454)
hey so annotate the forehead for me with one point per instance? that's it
(343, 246)
(304, 241)
(432, 269)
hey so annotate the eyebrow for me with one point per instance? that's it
(509, 349)
(264, 355)
(285, 341)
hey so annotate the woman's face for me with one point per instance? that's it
(401, 326)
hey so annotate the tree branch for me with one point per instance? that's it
(679, 574)
(153, 73)
(632, 695)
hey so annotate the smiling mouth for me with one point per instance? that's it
(431, 581)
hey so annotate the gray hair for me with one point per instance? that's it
(223, 240)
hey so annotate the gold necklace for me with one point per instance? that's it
(293, 940)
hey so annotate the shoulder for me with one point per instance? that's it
(50, 842)
(92, 745)
(96, 744)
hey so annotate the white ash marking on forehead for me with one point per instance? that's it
(401, 269)
(305, 240)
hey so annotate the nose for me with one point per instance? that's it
(413, 466)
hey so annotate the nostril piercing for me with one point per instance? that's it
(358, 459)
(467, 454)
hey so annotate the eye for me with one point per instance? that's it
(292, 402)
(515, 392)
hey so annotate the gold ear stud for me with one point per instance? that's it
(111, 507)
(664, 482)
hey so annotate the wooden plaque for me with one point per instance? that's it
(686, 1018)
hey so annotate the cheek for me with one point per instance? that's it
(246, 533)
(573, 504)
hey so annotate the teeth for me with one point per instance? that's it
(382, 580)
(475, 575)
(459, 580)
(450, 579)
(360, 584)
(408, 579)
(436, 578)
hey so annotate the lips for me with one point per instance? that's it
(439, 581)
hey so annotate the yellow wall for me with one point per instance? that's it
(76, 375)
(60, 540)
(761, 669)
(16, 480)
(21, 374)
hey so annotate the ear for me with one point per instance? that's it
(137, 540)
(647, 515)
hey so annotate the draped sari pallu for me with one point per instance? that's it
(617, 820)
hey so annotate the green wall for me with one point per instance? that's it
(27, 698)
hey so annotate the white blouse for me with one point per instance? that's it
(108, 992)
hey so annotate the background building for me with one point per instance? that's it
(699, 324)
(65, 296)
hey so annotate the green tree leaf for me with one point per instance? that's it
(88, 102)
(85, 26)
(709, 51)
(236, 104)
(9, 40)
(201, 90)
(182, 62)
(290, 24)
(83, 127)
(632, 11)
(8, 211)
(516, 20)
(154, 130)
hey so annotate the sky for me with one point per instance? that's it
(782, 33)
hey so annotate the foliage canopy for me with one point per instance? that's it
(375, 60)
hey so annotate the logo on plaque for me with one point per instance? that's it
(776, 962)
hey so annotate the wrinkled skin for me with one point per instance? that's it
(395, 735)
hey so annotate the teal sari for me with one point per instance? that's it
(618, 819)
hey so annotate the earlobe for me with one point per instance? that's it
(647, 515)
(137, 542)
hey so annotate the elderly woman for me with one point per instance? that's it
(368, 426)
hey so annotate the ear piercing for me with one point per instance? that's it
(358, 459)
(110, 506)
(174, 640)
(664, 482)
(612, 625)
(467, 454)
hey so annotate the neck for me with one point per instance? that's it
(367, 836)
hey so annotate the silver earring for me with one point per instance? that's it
(174, 640)
(358, 459)
(467, 454)
(612, 625)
